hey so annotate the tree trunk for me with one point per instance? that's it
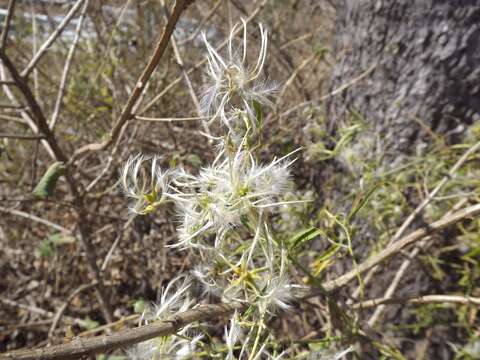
(411, 70)
(424, 62)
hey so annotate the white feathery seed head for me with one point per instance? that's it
(145, 183)
(223, 214)
(235, 86)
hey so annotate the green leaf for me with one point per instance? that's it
(90, 324)
(60, 239)
(362, 201)
(45, 249)
(258, 112)
(304, 236)
(139, 306)
(47, 183)
(194, 160)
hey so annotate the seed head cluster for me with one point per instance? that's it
(223, 217)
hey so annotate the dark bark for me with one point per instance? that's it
(424, 86)
(427, 73)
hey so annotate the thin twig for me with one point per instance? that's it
(348, 84)
(200, 63)
(39, 311)
(294, 75)
(46, 45)
(66, 68)
(26, 117)
(297, 39)
(12, 118)
(396, 247)
(51, 143)
(126, 115)
(180, 63)
(195, 118)
(82, 346)
(115, 244)
(21, 136)
(61, 310)
(36, 219)
(401, 230)
(6, 24)
(207, 17)
(404, 266)
(419, 300)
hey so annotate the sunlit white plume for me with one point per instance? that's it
(182, 345)
(234, 85)
(144, 182)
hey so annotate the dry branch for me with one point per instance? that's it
(396, 247)
(125, 338)
(46, 45)
(6, 24)
(127, 114)
(418, 300)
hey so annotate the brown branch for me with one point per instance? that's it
(61, 310)
(66, 68)
(21, 136)
(396, 247)
(56, 33)
(6, 24)
(125, 338)
(414, 215)
(419, 300)
(32, 103)
(42, 124)
(199, 64)
(126, 115)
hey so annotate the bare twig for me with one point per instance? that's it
(401, 230)
(126, 114)
(46, 45)
(294, 75)
(39, 311)
(36, 219)
(396, 247)
(12, 118)
(26, 117)
(21, 136)
(66, 68)
(61, 310)
(124, 338)
(207, 17)
(143, 118)
(404, 266)
(419, 300)
(35, 108)
(11, 106)
(6, 24)
(180, 63)
(51, 143)
(297, 39)
(348, 83)
(115, 244)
